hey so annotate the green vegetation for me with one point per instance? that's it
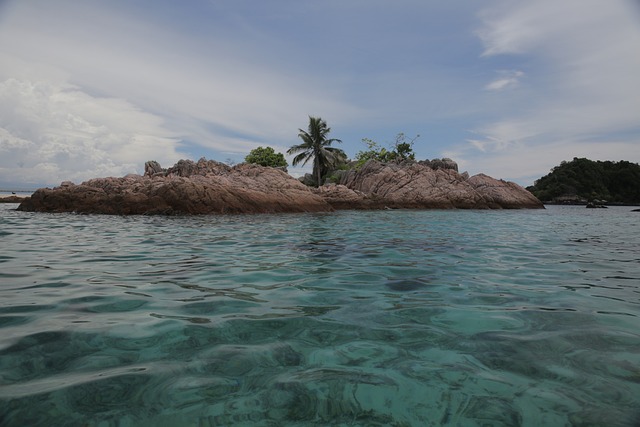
(266, 157)
(614, 182)
(317, 146)
(330, 163)
(402, 150)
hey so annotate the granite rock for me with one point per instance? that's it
(416, 185)
(208, 187)
(204, 187)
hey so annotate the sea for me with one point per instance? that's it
(351, 318)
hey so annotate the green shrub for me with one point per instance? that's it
(266, 157)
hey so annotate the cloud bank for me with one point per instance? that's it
(56, 132)
(580, 97)
(506, 88)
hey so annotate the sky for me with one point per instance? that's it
(509, 88)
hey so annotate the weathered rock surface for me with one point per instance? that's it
(444, 163)
(503, 194)
(187, 188)
(416, 185)
(342, 197)
(207, 187)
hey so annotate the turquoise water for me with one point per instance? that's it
(386, 318)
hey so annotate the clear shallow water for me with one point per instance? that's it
(401, 318)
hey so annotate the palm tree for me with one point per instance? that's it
(317, 146)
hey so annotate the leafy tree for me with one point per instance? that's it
(374, 152)
(587, 179)
(402, 150)
(266, 157)
(316, 145)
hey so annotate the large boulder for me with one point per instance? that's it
(503, 194)
(153, 168)
(342, 197)
(415, 185)
(207, 186)
(444, 163)
(186, 188)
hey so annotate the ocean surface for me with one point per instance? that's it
(385, 318)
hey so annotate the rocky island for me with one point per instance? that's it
(210, 187)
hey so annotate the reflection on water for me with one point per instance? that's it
(401, 318)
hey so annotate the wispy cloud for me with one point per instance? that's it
(582, 83)
(509, 164)
(104, 86)
(167, 96)
(508, 79)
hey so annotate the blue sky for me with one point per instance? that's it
(507, 88)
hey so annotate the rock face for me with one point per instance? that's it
(204, 187)
(342, 197)
(416, 185)
(444, 163)
(503, 194)
(207, 187)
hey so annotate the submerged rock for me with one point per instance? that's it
(405, 285)
(593, 205)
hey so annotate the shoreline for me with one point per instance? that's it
(586, 203)
(12, 199)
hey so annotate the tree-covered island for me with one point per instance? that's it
(582, 180)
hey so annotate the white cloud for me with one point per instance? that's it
(582, 85)
(163, 88)
(508, 79)
(525, 163)
(54, 132)
(524, 27)
(104, 86)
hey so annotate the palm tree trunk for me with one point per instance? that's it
(316, 166)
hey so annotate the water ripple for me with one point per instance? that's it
(352, 318)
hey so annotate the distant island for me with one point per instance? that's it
(12, 199)
(14, 195)
(581, 181)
